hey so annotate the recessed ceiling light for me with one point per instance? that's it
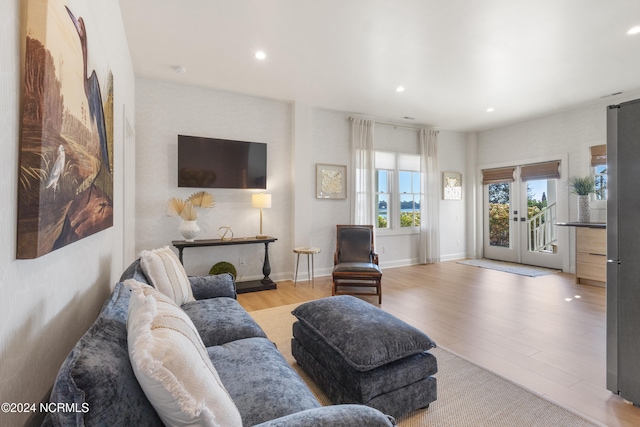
(179, 69)
(490, 110)
(400, 89)
(634, 30)
(260, 55)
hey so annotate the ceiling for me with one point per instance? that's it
(455, 58)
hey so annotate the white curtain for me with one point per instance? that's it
(430, 221)
(363, 172)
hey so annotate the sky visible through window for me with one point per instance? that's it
(538, 187)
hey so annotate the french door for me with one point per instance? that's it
(519, 220)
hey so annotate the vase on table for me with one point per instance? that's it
(189, 230)
(583, 209)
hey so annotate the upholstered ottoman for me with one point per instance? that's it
(357, 353)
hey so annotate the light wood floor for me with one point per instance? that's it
(546, 333)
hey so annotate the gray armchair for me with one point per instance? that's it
(356, 262)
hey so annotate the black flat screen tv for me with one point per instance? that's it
(221, 163)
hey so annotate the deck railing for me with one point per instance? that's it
(542, 231)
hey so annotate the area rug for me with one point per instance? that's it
(509, 267)
(467, 394)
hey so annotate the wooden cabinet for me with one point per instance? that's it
(591, 255)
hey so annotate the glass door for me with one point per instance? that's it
(501, 236)
(539, 235)
(519, 221)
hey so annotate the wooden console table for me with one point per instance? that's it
(241, 287)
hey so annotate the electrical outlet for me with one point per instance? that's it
(384, 249)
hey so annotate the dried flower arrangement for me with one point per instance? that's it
(186, 209)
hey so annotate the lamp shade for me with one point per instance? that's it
(261, 200)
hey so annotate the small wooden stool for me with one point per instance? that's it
(308, 252)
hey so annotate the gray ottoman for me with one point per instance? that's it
(357, 353)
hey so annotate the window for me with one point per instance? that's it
(398, 190)
(382, 197)
(409, 198)
(600, 179)
(599, 170)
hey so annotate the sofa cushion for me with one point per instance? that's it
(382, 339)
(166, 274)
(172, 365)
(97, 373)
(260, 381)
(334, 416)
(220, 320)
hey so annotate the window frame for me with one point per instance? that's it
(394, 210)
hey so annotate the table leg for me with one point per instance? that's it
(266, 267)
(313, 273)
(295, 280)
(180, 255)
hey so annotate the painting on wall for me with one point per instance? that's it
(331, 181)
(65, 186)
(451, 186)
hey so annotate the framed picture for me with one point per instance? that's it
(451, 186)
(331, 181)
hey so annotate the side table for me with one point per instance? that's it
(309, 252)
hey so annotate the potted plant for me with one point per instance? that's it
(582, 186)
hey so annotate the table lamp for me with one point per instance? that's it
(261, 200)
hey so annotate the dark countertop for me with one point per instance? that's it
(583, 224)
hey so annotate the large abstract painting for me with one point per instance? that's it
(65, 188)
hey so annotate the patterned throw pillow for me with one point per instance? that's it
(172, 365)
(166, 274)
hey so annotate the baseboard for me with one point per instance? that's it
(453, 257)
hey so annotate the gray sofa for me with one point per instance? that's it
(97, 379)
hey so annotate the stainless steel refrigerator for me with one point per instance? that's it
(623, 250)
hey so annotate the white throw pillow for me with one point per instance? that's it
(166, 273)
(171, 363)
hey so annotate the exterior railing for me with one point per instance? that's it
(542, 231)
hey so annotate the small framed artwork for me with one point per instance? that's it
(331, 181)
(451, 186)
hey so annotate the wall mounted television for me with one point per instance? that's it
(221, 163)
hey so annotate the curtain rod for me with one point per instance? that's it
(380, 122)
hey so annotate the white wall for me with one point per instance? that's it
(46, 304)
(452, 157)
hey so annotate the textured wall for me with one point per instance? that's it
(165, 110)
(46, 304)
